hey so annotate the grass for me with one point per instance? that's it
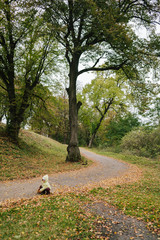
(35, 156)
(63, 216)
(56, 217)
(140, 199)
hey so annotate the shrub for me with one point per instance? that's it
(142, 142)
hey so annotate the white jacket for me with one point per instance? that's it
(45, 183)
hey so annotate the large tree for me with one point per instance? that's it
(23, 52)
(91, 30)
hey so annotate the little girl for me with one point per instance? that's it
(45, 187)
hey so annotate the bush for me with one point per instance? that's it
(142, 142)
(119, 127)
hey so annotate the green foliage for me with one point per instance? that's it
(49, 114)
(143, 142)
(105, 87)
(119, 127)
(26, 55)
(103, 96)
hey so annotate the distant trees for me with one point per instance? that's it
(151, 113)
(106, 101)
(49, 116)
(93, 30)
(102, 95)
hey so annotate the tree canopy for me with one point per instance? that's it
(92, 35)
(24, 52)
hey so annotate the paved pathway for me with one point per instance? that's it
(103, 168)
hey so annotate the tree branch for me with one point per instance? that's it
(3, 77)
(70, 25)
(98, 60)
(79, 104)
(3, 87)
(41, 65)
(99, 110)
(111, 67)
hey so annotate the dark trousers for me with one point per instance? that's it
(45, 191)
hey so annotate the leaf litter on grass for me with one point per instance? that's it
(36, 155)
(115, 192)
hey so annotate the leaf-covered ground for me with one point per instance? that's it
(35, 156)
(70, 216)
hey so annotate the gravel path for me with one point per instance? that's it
(104, 168)
(117, 226)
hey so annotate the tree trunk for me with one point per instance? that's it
(16, 114)
(95, 132)
(12, 129)
(92, 139)
(73, 150)
(13, 125)
(100, 121)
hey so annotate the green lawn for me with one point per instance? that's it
(56, 217)
(140, 199)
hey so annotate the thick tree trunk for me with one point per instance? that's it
(12, 129)
(16, 114)
(14, 125)
(73, 150)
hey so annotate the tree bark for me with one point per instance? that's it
(16, 112)
(73, 150)
(12, 129)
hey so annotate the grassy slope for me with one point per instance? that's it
(35, 156)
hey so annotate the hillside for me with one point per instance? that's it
(36, 155)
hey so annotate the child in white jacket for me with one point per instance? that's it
(45, 187)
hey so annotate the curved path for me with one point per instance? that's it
(104, 168)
